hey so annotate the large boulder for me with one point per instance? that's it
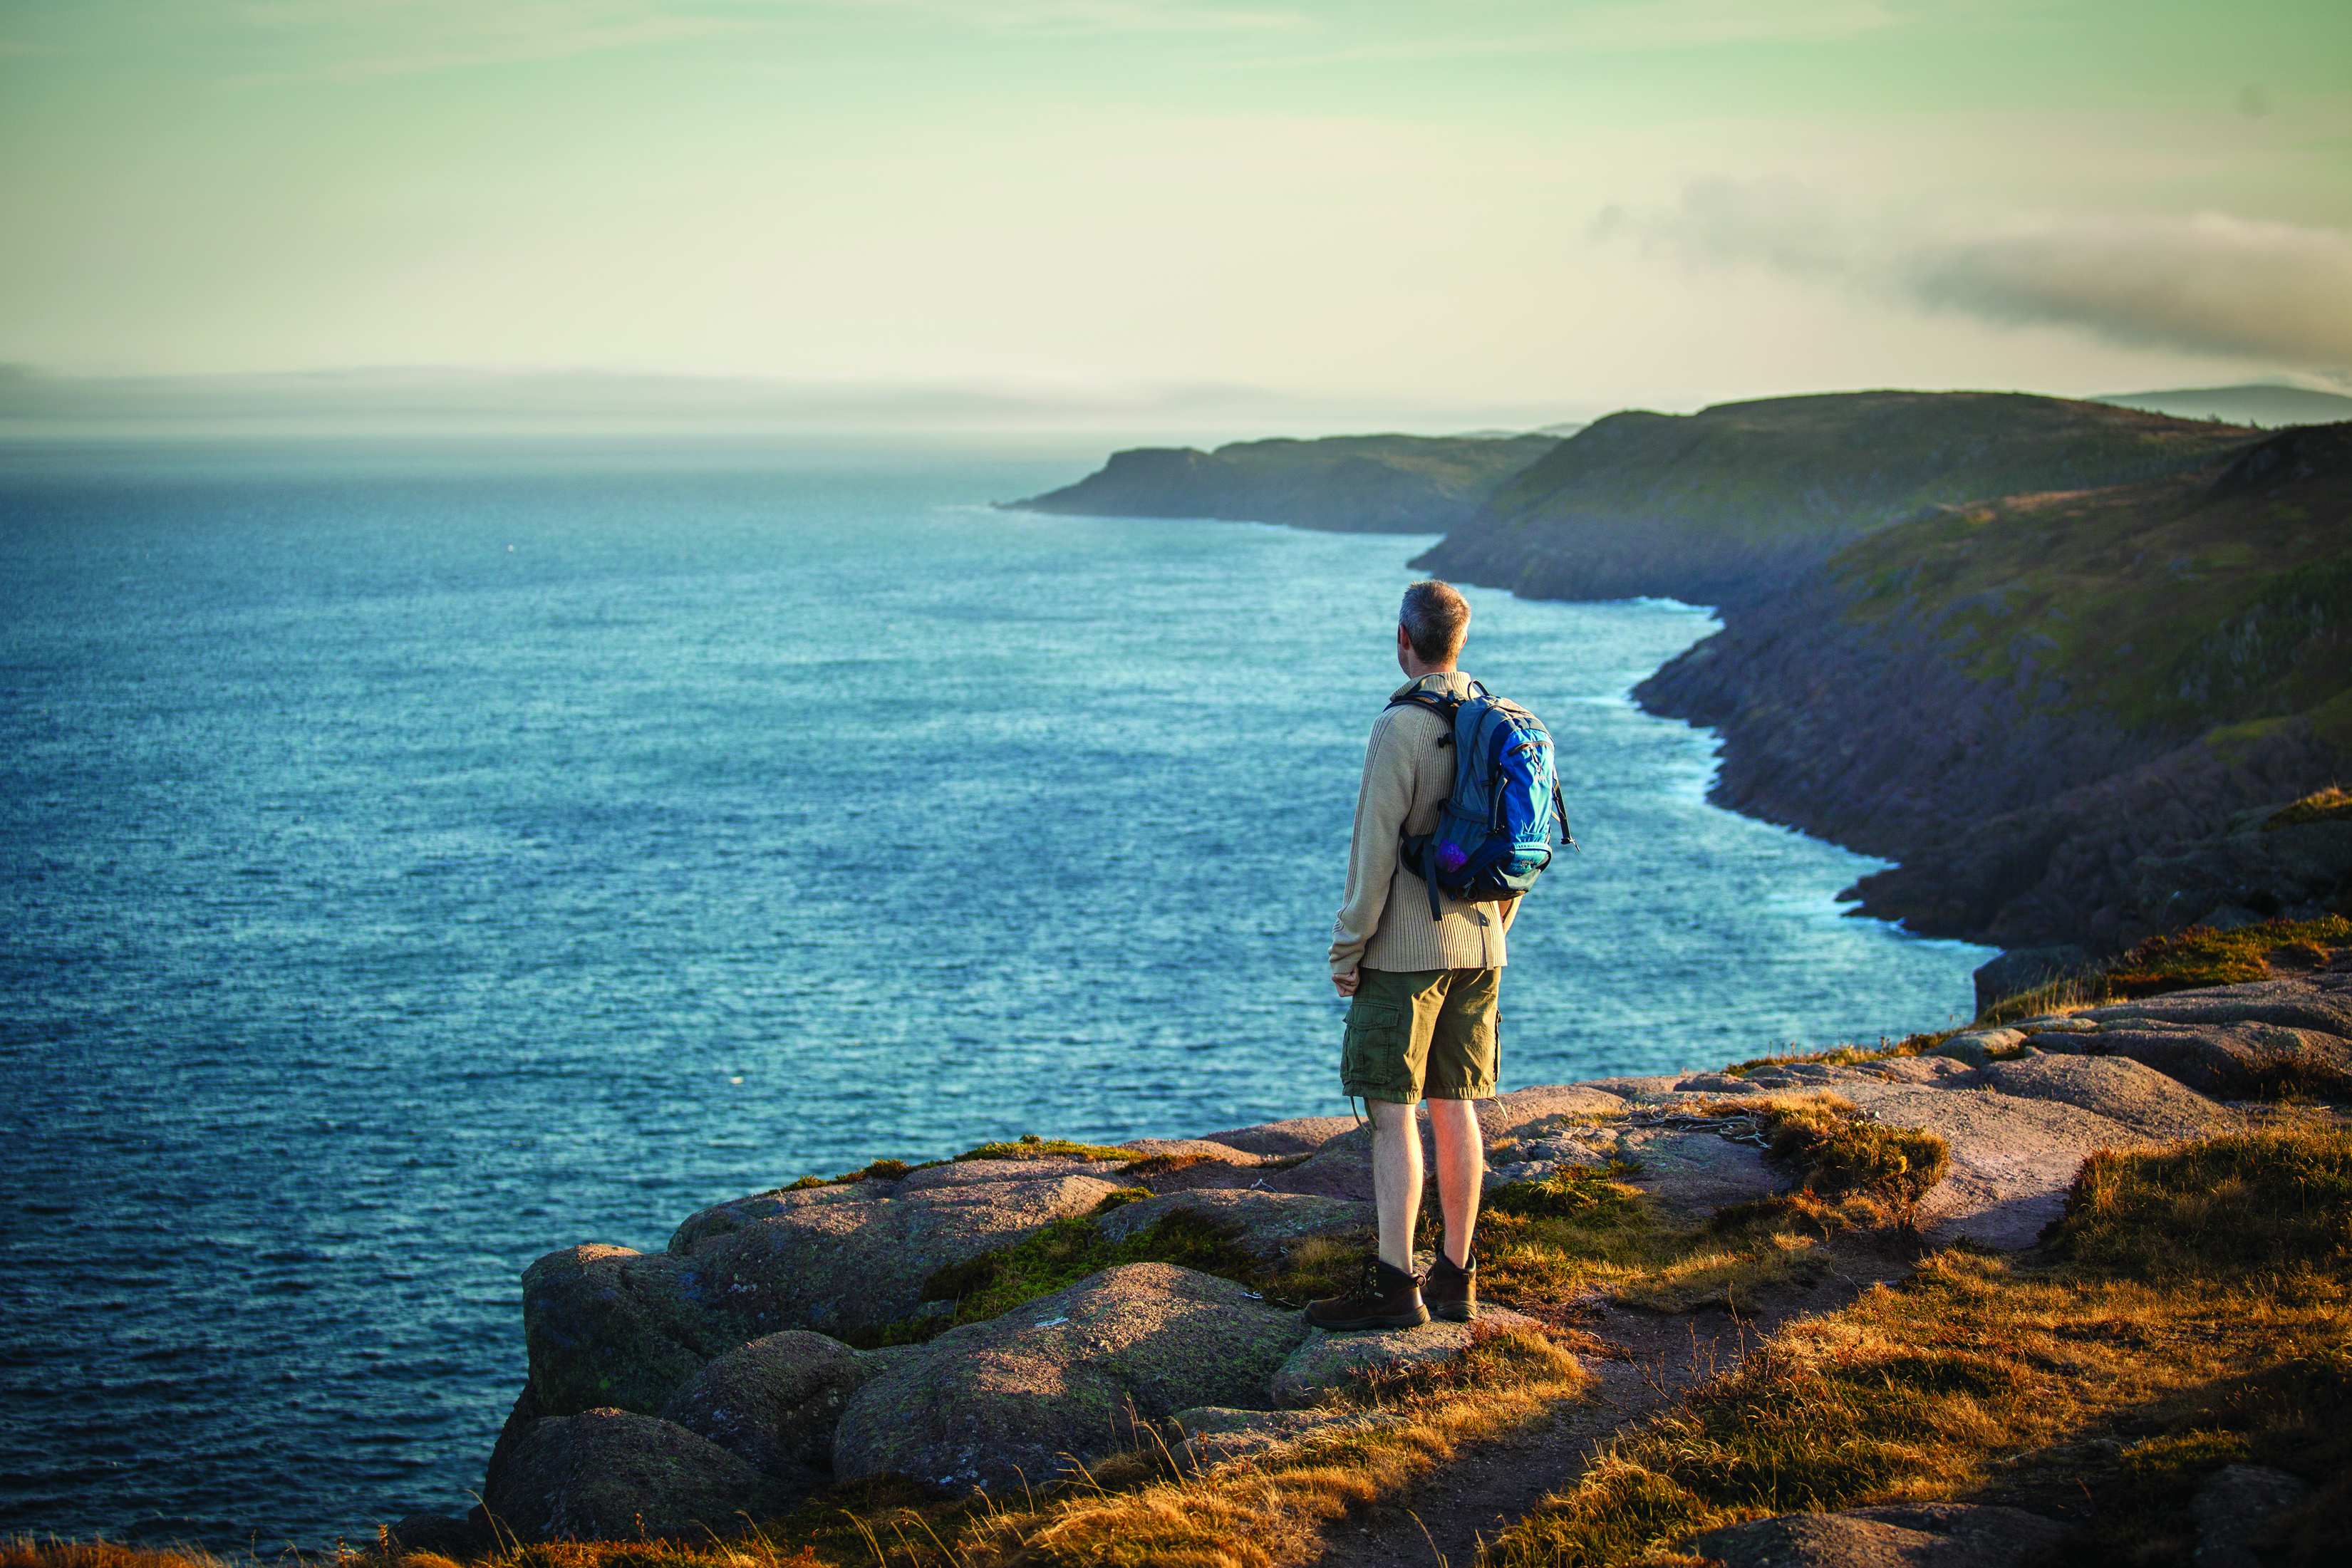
(1062, 1380)
(721, 1219)
(615, 1474)
(1327, 1364)
(774, 1402)
(609, 1327)
(1914, 1535)
(839, 1267)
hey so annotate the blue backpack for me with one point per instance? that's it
(1494, 837)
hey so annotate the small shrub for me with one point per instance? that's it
(1589, 1194)
(2276, 1201)
(1121, 1198)
(2330, 805)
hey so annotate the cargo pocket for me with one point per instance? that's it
(1372, 1061)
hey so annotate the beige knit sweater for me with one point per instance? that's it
(1383, 922)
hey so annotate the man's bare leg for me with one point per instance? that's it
(1461, 1174)
(1396, 1178)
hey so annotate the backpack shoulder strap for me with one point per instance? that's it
(1445, 707)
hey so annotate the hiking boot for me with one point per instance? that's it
(1384, 1298)
(1451, 1293)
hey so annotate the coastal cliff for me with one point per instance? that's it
(2027, 701)
(1361, 483)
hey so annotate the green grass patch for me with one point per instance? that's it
(880, 1170)
(1845, 1055)
(2201, 957)
(2186, 960)
(1030, 1146)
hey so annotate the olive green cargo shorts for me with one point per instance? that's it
(1422, 1027)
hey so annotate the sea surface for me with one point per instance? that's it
(413, 861)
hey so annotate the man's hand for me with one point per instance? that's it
(1346, 984)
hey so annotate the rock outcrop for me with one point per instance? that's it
(744, 1414)
(1910, 1535)
(607, 1474)
(1065, 1378)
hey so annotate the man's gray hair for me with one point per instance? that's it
(1435, 621)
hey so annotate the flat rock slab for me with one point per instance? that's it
(980, 1173)
(1267, 1223)
(1065, 1379)
(1928, 1535)
(2151, 1104)
(1208, 1148)
(839, 1267)
(1328, 1363)
(1514, 1115)
(1299, 1136)
(613, 1475)
(2226, 1040)
(2012, 1159)
(1691, 1173)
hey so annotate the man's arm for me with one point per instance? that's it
(1383, 800)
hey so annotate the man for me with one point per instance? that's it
(1423, 1017)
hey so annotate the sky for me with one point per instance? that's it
(1307, 215)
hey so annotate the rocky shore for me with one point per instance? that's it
(791, 1340)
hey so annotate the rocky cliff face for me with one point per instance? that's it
(2027, 704)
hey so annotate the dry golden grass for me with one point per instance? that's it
(2200, 1302)
(1269, 1510)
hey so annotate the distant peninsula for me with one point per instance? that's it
(2062, 660)
(1358, 484)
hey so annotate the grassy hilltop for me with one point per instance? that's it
(1368, 484)
(1724, 506)
(2176, 606)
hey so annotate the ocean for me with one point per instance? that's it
(419, 859)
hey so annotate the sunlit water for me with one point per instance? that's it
(412, 864)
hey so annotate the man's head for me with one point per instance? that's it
(1431, 627)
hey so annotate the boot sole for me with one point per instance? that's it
(1458, 1311)
(1411, 1319)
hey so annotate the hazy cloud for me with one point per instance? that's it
(2206, 282)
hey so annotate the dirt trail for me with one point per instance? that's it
(1655, 1359)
